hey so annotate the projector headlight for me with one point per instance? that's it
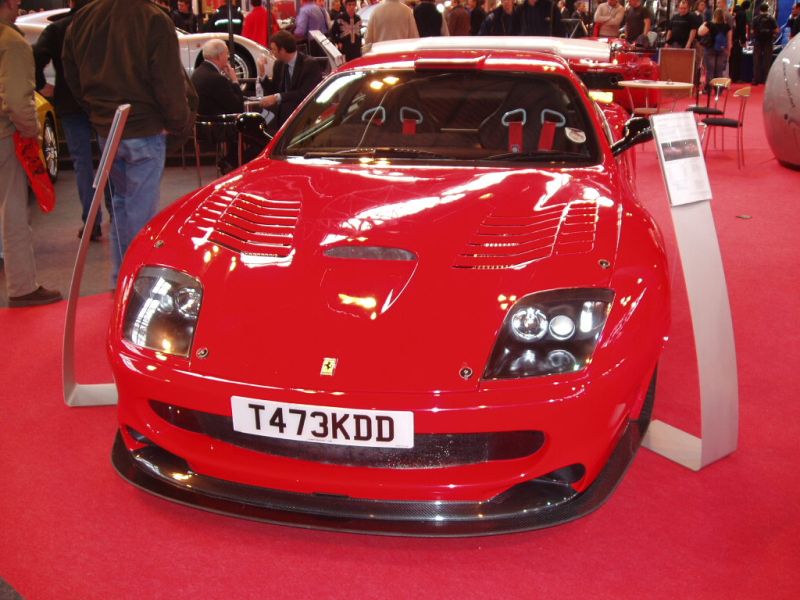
(549, 333)
(162, 311)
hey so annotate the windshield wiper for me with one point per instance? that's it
(539, 155)
(381, 152)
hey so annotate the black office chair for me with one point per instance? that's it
(738, 124)
(719, 88)
(220, 132)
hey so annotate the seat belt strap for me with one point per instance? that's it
(547, 135)
(515, 136)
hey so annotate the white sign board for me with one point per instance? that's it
(681, 158)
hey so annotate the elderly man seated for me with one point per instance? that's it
(220, 94)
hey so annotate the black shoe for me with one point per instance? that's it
(36, 298)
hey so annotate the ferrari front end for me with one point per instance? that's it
(424, 339)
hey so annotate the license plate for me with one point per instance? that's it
(323, 424)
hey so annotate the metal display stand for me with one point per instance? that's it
(676, 139)
(335, 58)
(83, 394)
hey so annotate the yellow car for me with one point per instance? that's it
(48, 134)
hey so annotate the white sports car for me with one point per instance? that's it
(191, 44)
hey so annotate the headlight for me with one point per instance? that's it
(162, 311)
(549, 333)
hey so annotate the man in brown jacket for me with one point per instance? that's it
(17, 115)
(126, 51)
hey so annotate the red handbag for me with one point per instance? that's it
(29, 154)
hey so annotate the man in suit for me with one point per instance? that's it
(218, 88)
(216, 82)
(293, 78)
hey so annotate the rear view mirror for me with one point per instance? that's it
(637, 131)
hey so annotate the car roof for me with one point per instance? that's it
(566, 48)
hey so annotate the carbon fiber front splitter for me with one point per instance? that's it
(530, 505)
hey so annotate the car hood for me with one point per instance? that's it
(402, 275)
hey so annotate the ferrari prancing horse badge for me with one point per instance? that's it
(328, 366)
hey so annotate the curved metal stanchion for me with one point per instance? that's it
(712, 325)
(83, 394)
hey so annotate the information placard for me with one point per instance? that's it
(689, 191)
(681, 158)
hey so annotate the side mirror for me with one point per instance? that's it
(637, 131)
(253, 127)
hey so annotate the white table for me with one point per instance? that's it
(650, 84)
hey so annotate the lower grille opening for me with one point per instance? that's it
(430, 451)
(142, 439)
(567, 475)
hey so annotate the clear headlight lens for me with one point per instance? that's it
(529, 324)
(162, 311)
(549, 333)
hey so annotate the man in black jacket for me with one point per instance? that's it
(763, 30)
(793, 22)
(539, 17)
(216, 82)
(430, 22)
(501, 21)
(219, 92)
(476, 16)
(127, 52)
(739, 39)
(346, 31)
(184, 18)
(293, 78)
(74, 121)
(218, 21)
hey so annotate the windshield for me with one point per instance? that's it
(466, 115)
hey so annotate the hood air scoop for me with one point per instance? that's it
(370, 253)
(514, 241)
(247, 224)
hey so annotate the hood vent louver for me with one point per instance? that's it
(248, 224)
(514, 241)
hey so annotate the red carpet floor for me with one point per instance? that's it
(70, 528)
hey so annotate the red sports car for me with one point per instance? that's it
(432, 306)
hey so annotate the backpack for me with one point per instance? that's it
(720, 41)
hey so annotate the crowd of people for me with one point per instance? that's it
(633, 20)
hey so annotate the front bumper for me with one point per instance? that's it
(526, 506)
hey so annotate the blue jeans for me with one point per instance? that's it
(135, 183)
(78, 132)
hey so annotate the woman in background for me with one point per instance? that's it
(718, 37)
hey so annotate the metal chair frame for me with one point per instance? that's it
(716, 121)
(720, 86)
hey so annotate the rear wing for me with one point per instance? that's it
(569, 49)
